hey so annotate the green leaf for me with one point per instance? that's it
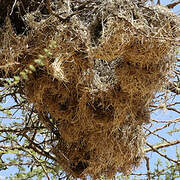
(46, 50)
(41, 56)
(31, 67)
(24, 75)
(11, 152)
(16, 78)
(1, 108)
(8, 112)
(39, 62)
(28, 71)
(49, 54)
(52, 44)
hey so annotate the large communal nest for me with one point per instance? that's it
(98, 81)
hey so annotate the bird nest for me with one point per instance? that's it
(96, 77)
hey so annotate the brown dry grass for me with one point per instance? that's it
(100, 121)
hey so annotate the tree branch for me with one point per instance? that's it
(154, 148)
(172, 5)
(163, 145)
(173, 87)
(147, 167)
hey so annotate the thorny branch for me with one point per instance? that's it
(163, 155)
(174, 87)
(163, 145)
(153, 174)
(44, 169)
(168, 121)
(147, 167)
(160, 128)
(172, 5)
(156, 135)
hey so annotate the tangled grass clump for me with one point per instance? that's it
(95, 72)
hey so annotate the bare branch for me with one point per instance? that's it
(35, 158)
(159, 129)
(163, 155)
(147, 167)
(172, 5)
(168, 121)
(156, 135)
(173, 87)
(163, 145)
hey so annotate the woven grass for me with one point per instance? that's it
(99, 80)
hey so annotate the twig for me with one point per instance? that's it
(17, 130)
(163, 145)
(37, 148)
(153, 175)
(147, 167)
(161, 154)
(9, 64)
(13, 7)
(168, 121)
(7, 117)
(17, 163)
(158, 2)
(44, 169)
(156, 135)
(51, 11)
(82, 6)
(80, 9)
(173, 87)
(172, 5)
(160, 128)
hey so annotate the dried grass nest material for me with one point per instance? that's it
(105, 152)
(97, 85)
(141, 34)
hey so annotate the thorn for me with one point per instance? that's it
(159, 2)
(172, 5)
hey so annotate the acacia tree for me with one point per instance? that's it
(25, 140)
